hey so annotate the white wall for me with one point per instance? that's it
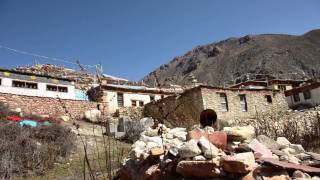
(315, 98)
(6, 87)
(111, 98)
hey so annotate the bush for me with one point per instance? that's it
(26, 148)
(4, 110)
(133, 129)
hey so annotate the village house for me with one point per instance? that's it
(307, 95)
(118, 96)
(229, 103)
(29, 84)
(275, 84)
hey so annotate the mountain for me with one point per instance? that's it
(238, 59)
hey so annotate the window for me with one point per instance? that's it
(62, 89)
(224, 102)
(57, 88)
(23, 84)
(296, 97)
(0, 81)
(133, 103)
(52, 88)
(152, 98)
(120, 99)
(141, 103)
(282, 87)
(269, 98)
(162, 96)
(243, 103)
(307, 94)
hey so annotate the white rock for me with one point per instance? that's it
(151, 145)
(289, 151)
(180, 135)
(209, 150)
(93, 115)
(283, 142)
(139, 144)
(208, 129)
(174, 130)
(297, 147)
(156, 140)
(189, 149)
(315, 178)
(199, 158)
(294, 160)
(240, 133)
(169, 136)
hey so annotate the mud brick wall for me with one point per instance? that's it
(47, 106)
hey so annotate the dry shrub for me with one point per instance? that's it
(25, 148)
(4, 110)
(133, 129)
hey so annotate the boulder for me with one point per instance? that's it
(155, 139)
(190, 149)
(151, 132)
(198, 169)
(268, 142)
(93, 115)
(258, 147)
(240, 133)
(297, 148)
(208, 149)
(270, 173)
(283, 142)
(239, 163)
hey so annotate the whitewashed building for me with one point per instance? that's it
(28, 84)
(306, 95)
(120, 95)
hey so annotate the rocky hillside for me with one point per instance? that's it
(236, 59)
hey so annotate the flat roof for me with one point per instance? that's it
(33, 74)
(303, 88)
(141, 89)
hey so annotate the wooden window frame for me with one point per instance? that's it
(223, 102)
(296, 97)
(243, 103)
(24, 84)
(120, 101)
(307, 95)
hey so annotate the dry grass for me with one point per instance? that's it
(24, 149)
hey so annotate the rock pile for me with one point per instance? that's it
(233, 153)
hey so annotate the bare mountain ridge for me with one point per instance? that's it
(238, 59)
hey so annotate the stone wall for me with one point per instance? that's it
(181, 110)
(256, 103)
(47, 106)
(184, 110)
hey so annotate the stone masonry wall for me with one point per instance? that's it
(184, 110)
(47, 106)
(256, 103)
(181, 110)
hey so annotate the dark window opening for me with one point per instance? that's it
(162, 96)
(243, 103)
(269, 98)
(0, 82)
(282, 87)
(62, 89)
(141, 103)
(307, 94)
(152, 98)
(120, 99)
(296, 97)
(22, 84)
(52, 88)
(133, 103)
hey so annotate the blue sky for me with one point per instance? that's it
(131, 38)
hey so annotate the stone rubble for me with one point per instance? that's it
(233, 153)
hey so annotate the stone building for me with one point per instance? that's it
(307, 95)
(229, 103)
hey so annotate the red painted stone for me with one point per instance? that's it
(217, 138)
